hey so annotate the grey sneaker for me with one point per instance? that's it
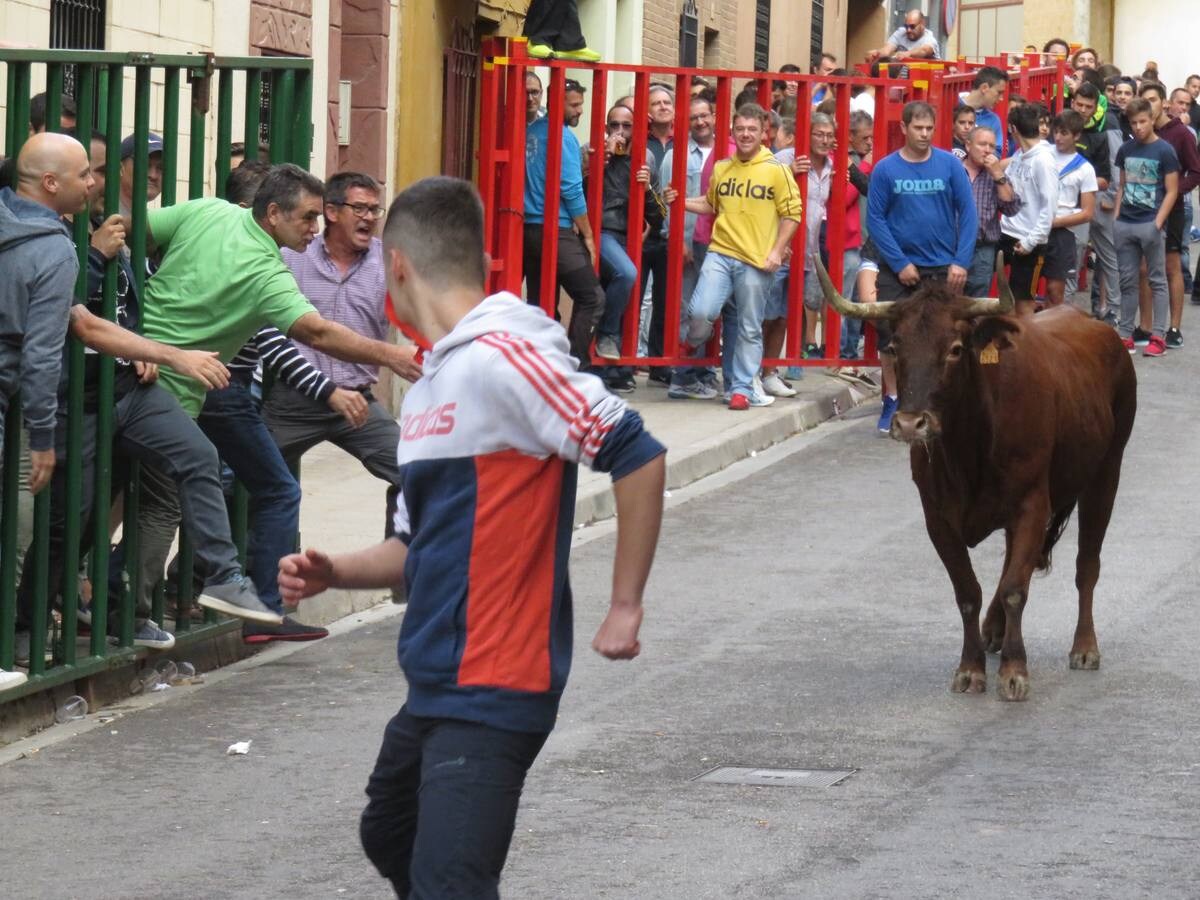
(238, 598)
(11, 679)
(607, 347)
(693, 391)
(149, 634)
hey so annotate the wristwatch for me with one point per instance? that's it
(1003, 179)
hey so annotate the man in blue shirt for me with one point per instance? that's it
(921, 216)
(576, 244)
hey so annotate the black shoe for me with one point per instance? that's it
(624, 385)
(812, 351)
(1140, 338)
(659, 376)
(1196, 299)
(1174, 338)
(289, 630)
(1109, 318)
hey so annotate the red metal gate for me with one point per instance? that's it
(502, 172)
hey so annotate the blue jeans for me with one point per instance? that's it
(231, 420)
(619, 275)
(442, 803)
(983, 267)
(720, 278)
(851, 328)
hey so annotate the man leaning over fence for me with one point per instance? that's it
(221, 279)
(148, 422)
(341, 274)
(576, 244)
(757, 209)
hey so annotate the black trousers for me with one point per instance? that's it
(577, 278)
(1024, 269)
(442, 803)
(554, 23)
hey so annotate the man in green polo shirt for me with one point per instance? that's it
(222, 279)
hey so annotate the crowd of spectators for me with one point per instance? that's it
(1082, 186)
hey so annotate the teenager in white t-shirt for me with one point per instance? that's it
(1077, 189)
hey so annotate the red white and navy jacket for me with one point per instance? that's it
(490, 439)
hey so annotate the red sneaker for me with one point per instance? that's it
(1156, 347)
(739, 402)
(1129, 344)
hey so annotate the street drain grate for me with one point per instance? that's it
(808, 778)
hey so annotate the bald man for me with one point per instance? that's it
(40, 266)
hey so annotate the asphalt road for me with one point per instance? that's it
(796, 617)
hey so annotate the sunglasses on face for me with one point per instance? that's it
(620, 126)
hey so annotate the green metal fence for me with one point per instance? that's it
(100, 80)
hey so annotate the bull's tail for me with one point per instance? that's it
(1054, 531)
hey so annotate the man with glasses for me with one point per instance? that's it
(342, 274)
(533, 98)
(911, 41)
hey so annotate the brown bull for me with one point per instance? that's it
(1013, 422)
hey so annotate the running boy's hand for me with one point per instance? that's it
(304, 575)
(618, 634)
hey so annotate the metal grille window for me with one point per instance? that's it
(76, 25)
(460, 77)
(689, 31)
(816, 38)
(762, 34)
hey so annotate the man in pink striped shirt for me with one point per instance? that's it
(342, 275)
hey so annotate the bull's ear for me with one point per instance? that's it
(992, 335)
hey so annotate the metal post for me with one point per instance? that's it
(224, 129)
(283, 87)
(636, 213)
(170, 136)
(253, 119)
(201, 79)
(102, 498)
(673, 314)
(553, 185)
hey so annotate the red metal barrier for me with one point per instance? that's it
(502, 173)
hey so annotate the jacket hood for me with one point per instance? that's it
(24, 220)
(503, 312)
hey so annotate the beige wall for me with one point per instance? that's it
(866, 27)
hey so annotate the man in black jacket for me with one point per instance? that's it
(618, 274)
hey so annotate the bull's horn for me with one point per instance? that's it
(844, 306)
(988, 307)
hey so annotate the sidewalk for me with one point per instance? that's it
(343, 506)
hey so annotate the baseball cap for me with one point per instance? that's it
(154, 142)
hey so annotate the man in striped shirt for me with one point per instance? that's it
(342, 275)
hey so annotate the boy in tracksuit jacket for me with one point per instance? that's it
(1024, 236)
(490, 440)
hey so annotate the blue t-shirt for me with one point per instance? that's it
(1145, 167)
(922, 213)
(571, 201)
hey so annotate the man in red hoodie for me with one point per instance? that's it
(1181, 139)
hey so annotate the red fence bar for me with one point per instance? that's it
(675, 237)
(555, 91)
(793, 342)
(637, 209)
(597, 157)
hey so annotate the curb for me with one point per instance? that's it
(595, 501)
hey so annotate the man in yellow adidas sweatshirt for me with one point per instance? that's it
(757, 209)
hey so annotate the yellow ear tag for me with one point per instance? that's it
(989, 355)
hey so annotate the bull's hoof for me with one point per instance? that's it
(1013, 686)
(1085, 659)
(969, 681)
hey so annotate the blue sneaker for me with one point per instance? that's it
(1195, 234)
(794, 373)
(889, 410)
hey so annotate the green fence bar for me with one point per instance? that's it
(201, 83)
(183, 584)
(254, 84)
(102, 499)
(20, 80)
(8, 533)
(170, 136)
(302, 126)
(225, 130)
(283, 89)
(85, 97)
(54, 90)
(37, 567)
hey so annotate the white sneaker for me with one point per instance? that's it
(607, 347)
(11, 679)
(758, 398)
(774, 386)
